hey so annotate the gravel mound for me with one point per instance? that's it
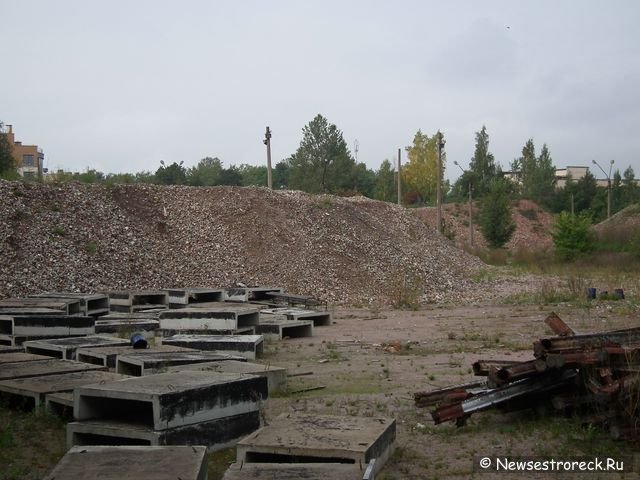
(343, 250)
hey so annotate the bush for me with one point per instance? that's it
(495, 217)
(572, 235)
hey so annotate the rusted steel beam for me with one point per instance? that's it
(558, 326)
(426, 399)
(515, 371)
(575, 359)
(491, 398)
(587, 341)
(481, 367)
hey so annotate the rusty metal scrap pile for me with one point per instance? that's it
(597, 372)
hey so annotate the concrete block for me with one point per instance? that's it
(309, 438)
(46, 325)
(39, 368)
(216, 434)
(293, 471)
(7, 349)
(21, 357)
(107, 356)
(34, 389)
(247, 294)
(248, 346)
(29, 311)
(66, 347)
(181, 297)
(90, 304)
(127, 327)
(65, 306)
(137, 301)
(318, 318)
(218, 317)
(276, 376)
(167, 332)
(59, 403)
(279, 328)
(170, 400)
(132, 462)
(140, 364)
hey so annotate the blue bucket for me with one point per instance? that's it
(138, 341)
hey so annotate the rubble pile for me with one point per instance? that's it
(595, 373)
(77, 237)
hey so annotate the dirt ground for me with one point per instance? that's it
(369, 363)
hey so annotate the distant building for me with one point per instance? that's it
(563, 175)
(29, 158)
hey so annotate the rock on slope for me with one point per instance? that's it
(343, 250)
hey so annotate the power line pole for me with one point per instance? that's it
(267, 142)
(441, 143)
(399, 181)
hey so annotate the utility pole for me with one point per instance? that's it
(455, 162)
(441, 143)
(608, 175)
(267, 142)
(399, 180)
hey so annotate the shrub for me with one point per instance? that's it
(572, 235)
(496, 223)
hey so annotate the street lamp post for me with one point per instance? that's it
(455, 162)
(267, 142)
(608, 175)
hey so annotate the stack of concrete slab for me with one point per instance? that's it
(295, 471)
(92, 304)
(183, 297)
(64, 306)
(279, 326)
(66, 347)
(22, 356)
(210, 318)
(108, 356)
(132, 462)
(125, 324)
(151, 363)
(40, 368)
(131, 301)
(249, 294)
(33, 390)
(276, 376)
(319, 318)
(293, 443)
(198, 408)
(248, 346)
(8, 349)
(17, 329)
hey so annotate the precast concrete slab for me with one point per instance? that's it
(21, 357)
(126, 327)
(34, 389)
(309, 438)
(181, 297)
(247, 294)
(294, 471)
(216, 434)
(237, 331)
(248, 346)
(318, 318)
(6, 349)
(39, 368)
(65, 306)
(107, 356)
(59, 403)
(219, 317)
(132, 463)
(18, 340)
(279, 327)
(170, 400)
(66, 347)
(276, 376)
(29, 311)
(92, 304)
(46, 325)
(137, 300)
(140, 364)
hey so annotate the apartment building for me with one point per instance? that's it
(29, 158)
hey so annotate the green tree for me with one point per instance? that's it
(206, 173)
(631, 191)
(572, 234)
(536, 175)
(230, 176)
(385, 188)
(322, 163)
(174, 174)
(364, 180)
(280, 173)
(7, 162)
(253, 175)
(496, 223)
(420, 174)
(482, 168)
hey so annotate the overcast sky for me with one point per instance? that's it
(120, 85)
